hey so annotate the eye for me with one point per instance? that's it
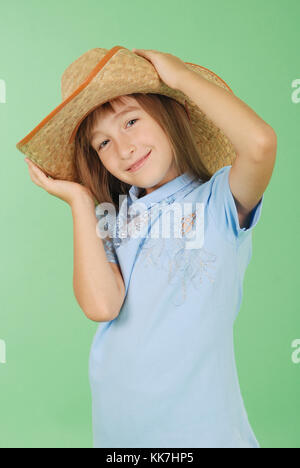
(100, 147)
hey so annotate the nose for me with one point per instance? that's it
(126, 150)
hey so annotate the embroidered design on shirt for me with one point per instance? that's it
(132, 225)
(185, 267)
(187, 223)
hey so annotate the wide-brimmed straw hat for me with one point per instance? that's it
(98, 76)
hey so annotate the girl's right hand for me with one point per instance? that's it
(63, 189)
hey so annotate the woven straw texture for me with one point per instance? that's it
(98, 76)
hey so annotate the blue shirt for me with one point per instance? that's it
(163, 373)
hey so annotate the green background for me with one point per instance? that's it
(45, 397)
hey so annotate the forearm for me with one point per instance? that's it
(94, 282)
(241, 125)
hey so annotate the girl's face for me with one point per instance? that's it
(127, 135)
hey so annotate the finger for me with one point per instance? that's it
(37, 175)
(36, 170)
(141, 51)
(33, 176)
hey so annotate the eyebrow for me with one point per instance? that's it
(128, 109)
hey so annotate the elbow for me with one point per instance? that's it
(99, 319)
(98, 311)
(99, 315)
(268, 140)
(104, 313)
(266, 146)
(93, 311)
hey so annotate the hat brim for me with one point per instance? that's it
(50, 145)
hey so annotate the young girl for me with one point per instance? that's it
(162, 366)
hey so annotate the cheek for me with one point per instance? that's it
(104, 159)
(109, 163)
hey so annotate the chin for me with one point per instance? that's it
(148, 181)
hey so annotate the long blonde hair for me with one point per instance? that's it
(172, 118)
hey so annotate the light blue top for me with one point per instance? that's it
(163, 373)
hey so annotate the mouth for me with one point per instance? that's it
(136, 166)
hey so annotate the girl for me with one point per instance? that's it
(162, 367)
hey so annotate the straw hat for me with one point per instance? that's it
(100, 75)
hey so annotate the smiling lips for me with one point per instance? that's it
(139, 163)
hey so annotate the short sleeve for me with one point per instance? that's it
(222, 208)
(110, 250)
(108, 243)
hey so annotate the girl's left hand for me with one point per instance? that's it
(170, 68)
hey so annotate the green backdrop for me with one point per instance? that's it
(45, 397)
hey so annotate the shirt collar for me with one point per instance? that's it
(161, 193)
